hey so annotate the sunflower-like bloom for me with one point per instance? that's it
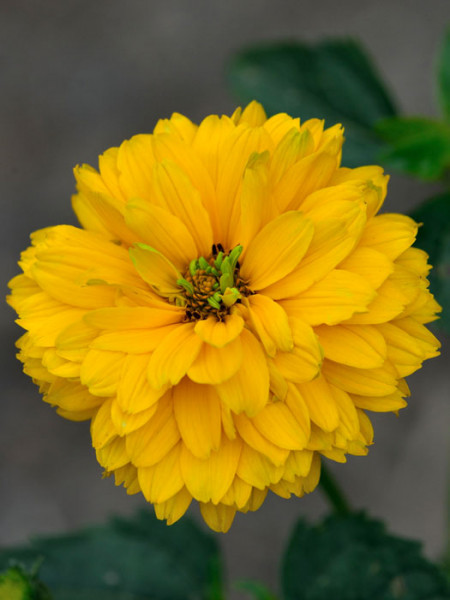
(231, 307)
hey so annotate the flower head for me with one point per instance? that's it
(229, 311)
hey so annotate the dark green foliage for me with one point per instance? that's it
(334, 80)
(135, 559)
(434, 238)
(443, 75)
(417, 146)
(353, 558)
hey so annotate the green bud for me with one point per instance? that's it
(234, 255)
(213, 302)
(186, 285)
(204, 264)
(218, 260)
(193, 267)
(226, 266)
(226, 281)
(230, 296)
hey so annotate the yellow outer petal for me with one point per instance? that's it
(305, 359)
(219, 333)
(257, 470)
(333, 299)
(215, 365)
(134, 393)
(390, 234)
(321, 403)
(254, 438)
(365, 382)
(174, 355)
(278, 425)
(276, 250)
(248, 389)
(149, 444)
(271, 324)
(360, 346)
(218, 517)
(209, 479)
(162, 231)
(198, 414)
(163, 480)
(156, 269)
(101, 371)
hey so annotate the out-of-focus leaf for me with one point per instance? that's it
(334, 80)
(353, 558)
(444, 75)
(434, 238)
(256, 589)
(18, 584)
(419, 146)
(135, 559)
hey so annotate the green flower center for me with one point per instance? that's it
(212, 285)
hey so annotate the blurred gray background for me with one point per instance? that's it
(80, 76)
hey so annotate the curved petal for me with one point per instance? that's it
(304, 361)
(360, 346)
(215, 365)
(270, 322)
(276, 250)
(321, 403)
(174, 356)
(276, 423)
(155, 269)
(198, 414)
(248, 390)
(219, 333)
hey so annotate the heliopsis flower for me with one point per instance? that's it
(230, 309)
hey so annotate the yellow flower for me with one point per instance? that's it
(229, 311)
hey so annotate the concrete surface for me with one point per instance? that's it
(80, 76)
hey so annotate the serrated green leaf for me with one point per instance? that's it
(353, 558)
(334, 80)
(135, 559)
(434, 237)
(419, 146)
(443, 75)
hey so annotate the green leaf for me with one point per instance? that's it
(334, 80)
(353, 558)
(434, 238)
(419, 146)
(17, 584)
(443, 75)
(255, 588)
(136, 559)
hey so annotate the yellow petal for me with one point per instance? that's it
(371, 264)
(149, 444)
(162, 231)
(101, 371)
(134, 393)
(365, 382)
(303, 362)
(155, 269)
(257, 470)
(134, 163)
(139, 317)
(173, 509)
(209, 479)
(270, 323)
(390, 234)
(321, 403)
(360, 346)
(238, 494)
(125, 423)
(198, 414)
(253, 114)
(297, 405)
(254, 438)
(219, 333)
(391, 402)
(177, 194)
(135, 341)
(276, 250)
(218, 517)
(215, 365)
(248, 390)
(276, 422)
(333, 299)
(174, 356)
(71, 396)
(163, 480)
(114, 455)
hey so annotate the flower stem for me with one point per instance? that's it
(333, 492)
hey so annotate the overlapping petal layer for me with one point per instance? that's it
(229, 311)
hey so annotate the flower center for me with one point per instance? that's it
(212, 285)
